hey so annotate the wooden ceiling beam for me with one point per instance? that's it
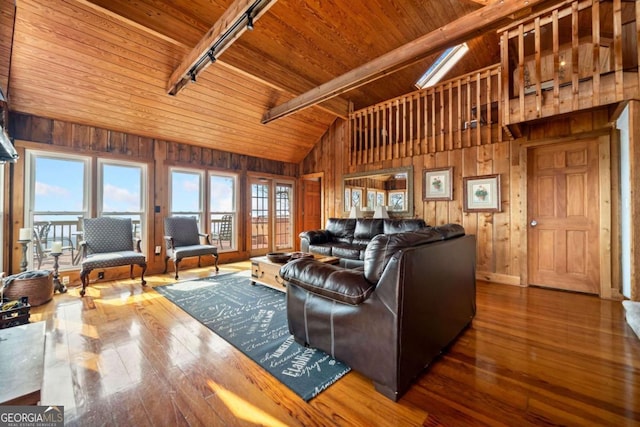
(221, 35)
(484, 19)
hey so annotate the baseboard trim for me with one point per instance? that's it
(504, 279)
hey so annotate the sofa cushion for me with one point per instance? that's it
(322, 249)
(367, 228)
(348, 251)
(341, 229)
(399, 225)
(384, 246)
(315, 236)
(326, 280)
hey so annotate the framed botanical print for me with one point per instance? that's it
(380, 196)
(482, 193)
(437, 184)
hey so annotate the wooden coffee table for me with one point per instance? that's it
(267, 273)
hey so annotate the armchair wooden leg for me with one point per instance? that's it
(84, 278)
(216, 258)
(176, 263)
(131, 271)
(199, 261)
(144, 268)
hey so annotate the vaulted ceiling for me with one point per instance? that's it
(106, 63)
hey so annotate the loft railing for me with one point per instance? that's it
(458, 113)
(574, 56)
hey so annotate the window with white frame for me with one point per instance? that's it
(223, 210)
(122, 192)
(56, 199)
(187, 195)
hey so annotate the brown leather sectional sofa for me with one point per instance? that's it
(392, 317)
(347, 238)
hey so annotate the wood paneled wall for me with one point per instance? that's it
(32, 132)
(501, 256)
(7, 14)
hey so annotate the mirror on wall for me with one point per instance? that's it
(392, 188)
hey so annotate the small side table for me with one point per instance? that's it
(57, 286)
(23, 261)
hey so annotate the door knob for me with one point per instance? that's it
(534, 223)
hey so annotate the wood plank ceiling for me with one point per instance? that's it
(106, 63)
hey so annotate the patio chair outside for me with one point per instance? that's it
(224, 231)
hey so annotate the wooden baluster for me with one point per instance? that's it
(411, 141)
(367, 125)
(450, 127)
(425, 121)
(397, 127)
(556, 62)
(385, 136)
(418, 124)
(441, 112)
(595, 33)
(404, 126)
(500, 117)
(468, 111)
(538, 67)
(378, 132)
(459, 122)
(617, 49)
(503, 85)
(432, 145)
(488, 103)
(521, 70)
(575, 56)
(478, 109)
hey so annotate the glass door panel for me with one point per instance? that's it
(260, 217)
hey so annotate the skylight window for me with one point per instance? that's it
(442, 65)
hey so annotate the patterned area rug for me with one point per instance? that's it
(253, 318)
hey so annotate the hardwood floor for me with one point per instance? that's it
(126, 356)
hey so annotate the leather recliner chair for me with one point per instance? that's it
(393, 317)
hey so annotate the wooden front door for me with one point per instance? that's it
(563, 215)
(311, 205)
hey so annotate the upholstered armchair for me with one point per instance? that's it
(391, 318)
(182, 240)
(108, 242)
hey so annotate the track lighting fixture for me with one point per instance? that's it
(224, 32)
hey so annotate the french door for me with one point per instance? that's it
(271, 224)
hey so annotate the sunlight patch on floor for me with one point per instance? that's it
(242, 409)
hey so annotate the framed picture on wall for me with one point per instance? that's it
(356, 197)
(437, 184)
(482, 193)
(396, 201)
(371, 199)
